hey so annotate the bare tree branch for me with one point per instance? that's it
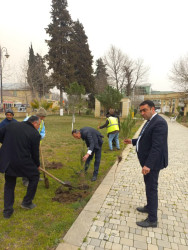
(124, 72)
(179, 74)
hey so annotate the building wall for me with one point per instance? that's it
(17, 96)
(126, 104)
(169, 102)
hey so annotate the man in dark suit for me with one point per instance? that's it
(93, 140)
(152, 151)
(19, 156)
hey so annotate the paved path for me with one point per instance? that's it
(108, 220)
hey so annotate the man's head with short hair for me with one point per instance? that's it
(147, 109)
(148, 102)
(76, 133)
(9, 114)
(35, 121)
(111, 111)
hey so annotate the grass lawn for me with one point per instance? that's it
(44, 226)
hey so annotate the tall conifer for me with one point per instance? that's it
(101, 76)
(60, 50)
(83, 58)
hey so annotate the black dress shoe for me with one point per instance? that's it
(7, 216)
(146, 223)
(94, 178)
(142, 209)
(31, 206)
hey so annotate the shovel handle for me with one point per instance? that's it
(42, 158)
(55, 178)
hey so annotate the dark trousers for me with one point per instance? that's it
(9, 187)
(151, 185)
(97, 153)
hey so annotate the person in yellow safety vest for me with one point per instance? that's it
(113, 125)
(41, 113)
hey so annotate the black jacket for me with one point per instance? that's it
(19, 154)
(153, 149)
(92, 137)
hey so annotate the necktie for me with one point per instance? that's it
(145, 126)
(141, 133)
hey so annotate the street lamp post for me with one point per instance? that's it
(4, 51)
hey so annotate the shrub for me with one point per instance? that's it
(88, 112)
(126, 125)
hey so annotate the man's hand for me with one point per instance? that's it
(98, 127)
(145, 170)
(85, 157)
(127, 141)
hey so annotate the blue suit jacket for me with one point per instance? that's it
(92, 137)
(153, 149)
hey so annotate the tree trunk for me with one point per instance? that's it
(61, 98)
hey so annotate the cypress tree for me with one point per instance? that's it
(42, 80)
(31, 77)
(83, 58)
(101, 76)
(37, 74)
(60, 47)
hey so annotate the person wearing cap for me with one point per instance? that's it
(9, 118)
(41, 113)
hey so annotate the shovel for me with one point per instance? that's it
(66, 184)
(46, 181)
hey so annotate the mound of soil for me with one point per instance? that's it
(71, 195)
(54, 165)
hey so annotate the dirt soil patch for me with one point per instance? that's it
(63, 195)
(54, 165)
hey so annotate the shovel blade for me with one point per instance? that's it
(67, 184)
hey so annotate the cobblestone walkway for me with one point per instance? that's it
(114, 225)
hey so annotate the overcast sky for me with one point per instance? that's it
(154, 30)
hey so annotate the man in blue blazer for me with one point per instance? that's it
(93, 140)
(152, 152)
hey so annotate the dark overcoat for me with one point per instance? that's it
(19, 154)
(92, 137)
(153, 149)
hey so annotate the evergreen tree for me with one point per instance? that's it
(60, 47)
(37, 74)
(83, 58)
(31, 77)
(101, 76)
(110, 98)
(42, 80)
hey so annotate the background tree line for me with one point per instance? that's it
(69, 60)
